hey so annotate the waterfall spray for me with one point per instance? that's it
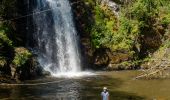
(56, 37)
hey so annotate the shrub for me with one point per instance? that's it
(103, 27)
(21, 56)
(4, 38)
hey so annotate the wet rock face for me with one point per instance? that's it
(82, 12)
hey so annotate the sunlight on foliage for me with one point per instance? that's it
(4, 39)
(21, 56)
(2, 62)
(104, 27)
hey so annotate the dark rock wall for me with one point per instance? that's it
(24, 22)
(83, 17)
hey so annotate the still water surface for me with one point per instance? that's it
(120, 84)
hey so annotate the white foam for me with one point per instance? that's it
(57, 39)
(73, 74)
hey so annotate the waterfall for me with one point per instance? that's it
(56, 37)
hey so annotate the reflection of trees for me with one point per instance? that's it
(69, 91)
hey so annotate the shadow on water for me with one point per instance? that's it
(88, 88)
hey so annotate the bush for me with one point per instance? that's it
(22, 55)
(4, 39)
(137, 20)
(103, 27)
(2, 62)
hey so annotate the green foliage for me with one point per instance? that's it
(146, 12)
(5, 45)
(4, 39)
(2, 62)
(134, 63)
(127, 33)
(91, 2)
(106, 32)
(9, 39)
(142, 9)
(167, 44)
(142, 15)
(21, 56)
(136, 20)
(103, 27)
(165, 13)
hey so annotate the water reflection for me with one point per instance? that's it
(69, 90)
(120, 85)
(65, 90)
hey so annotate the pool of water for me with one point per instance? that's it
(120, 84)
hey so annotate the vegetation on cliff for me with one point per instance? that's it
(12, 57)
(102, 32)
(141, 28)
(144, 23)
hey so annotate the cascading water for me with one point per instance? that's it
(56, 37)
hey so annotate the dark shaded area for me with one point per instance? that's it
(25, 27)
(101, 58)
(7, 52)
(150, 40)
(21, 22)
(83, 19)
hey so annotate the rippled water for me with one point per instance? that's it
(120, 84)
